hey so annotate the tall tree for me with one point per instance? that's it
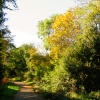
(84, 62)
(45, 29)
(4, 32)
(16, 63)
(66, 27)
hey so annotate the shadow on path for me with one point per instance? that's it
(26, 92)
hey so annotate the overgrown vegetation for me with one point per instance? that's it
(8, 90)
(70, 69)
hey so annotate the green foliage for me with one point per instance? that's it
(45, 27)
(71, 68)
(55, 83)
(5, 38)
(29, 76)
(16, 65)
(8, 91)
(78, 67)
(84, 62)
(45, 30)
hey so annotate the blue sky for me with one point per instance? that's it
(23, 22)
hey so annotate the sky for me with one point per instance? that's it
(23, 22)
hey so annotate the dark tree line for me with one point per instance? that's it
(5, 38)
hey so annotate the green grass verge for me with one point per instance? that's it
(8, 91)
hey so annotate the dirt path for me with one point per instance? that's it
(26, 92)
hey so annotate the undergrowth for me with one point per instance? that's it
(8, 90)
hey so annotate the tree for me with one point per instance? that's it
(16, 63)
(4, 41)
(45, 29)
(84, 62)
(66, 27)
(39, 64)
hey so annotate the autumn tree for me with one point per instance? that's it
(74, 48)
(38, 64)
(66, 27)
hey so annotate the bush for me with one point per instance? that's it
(8, 91)
(28, 76)
(4, 80)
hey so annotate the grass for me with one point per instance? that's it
(8, 91)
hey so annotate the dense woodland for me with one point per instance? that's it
(71, 64)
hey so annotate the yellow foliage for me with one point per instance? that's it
(66, 27)
(55, 52)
